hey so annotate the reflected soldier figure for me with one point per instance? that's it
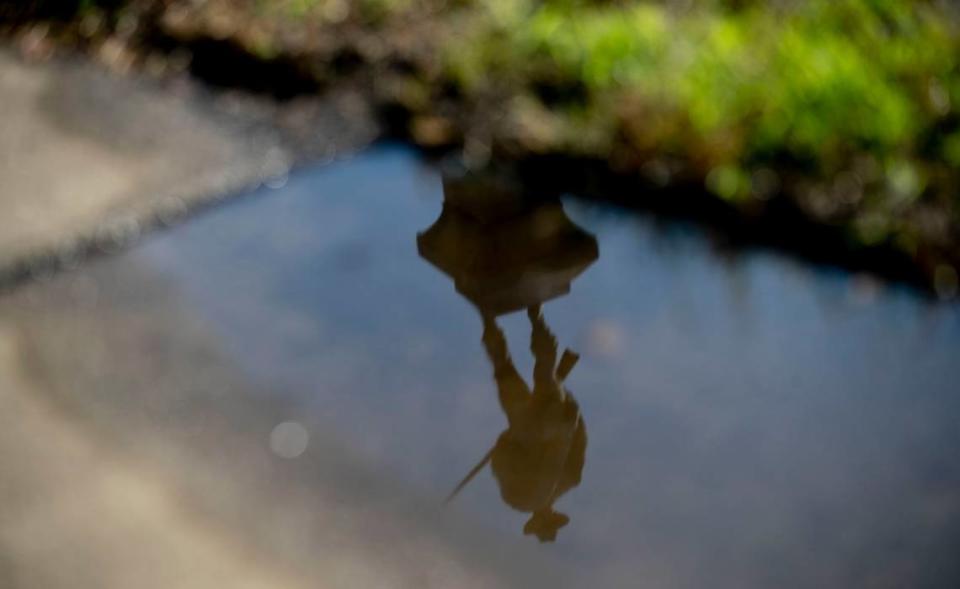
(506, 254)
(540, 455)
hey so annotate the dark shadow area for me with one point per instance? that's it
(778, 224)
(225, 64)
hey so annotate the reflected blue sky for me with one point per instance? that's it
(753, 421)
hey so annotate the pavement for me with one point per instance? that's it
(90, 160)
(133, 453)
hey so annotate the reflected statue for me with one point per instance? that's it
(506, 254)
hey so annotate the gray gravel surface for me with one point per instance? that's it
(91, 159)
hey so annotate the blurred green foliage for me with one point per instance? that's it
(370, 13)
(810, 84)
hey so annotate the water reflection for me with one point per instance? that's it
(764, 441)
(506, 254)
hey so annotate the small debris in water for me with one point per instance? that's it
(289, 439)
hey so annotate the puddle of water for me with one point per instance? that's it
(656, 412)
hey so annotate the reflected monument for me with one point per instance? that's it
(506, 254)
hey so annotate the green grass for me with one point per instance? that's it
(812, 87)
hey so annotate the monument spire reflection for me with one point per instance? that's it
(506, 254)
